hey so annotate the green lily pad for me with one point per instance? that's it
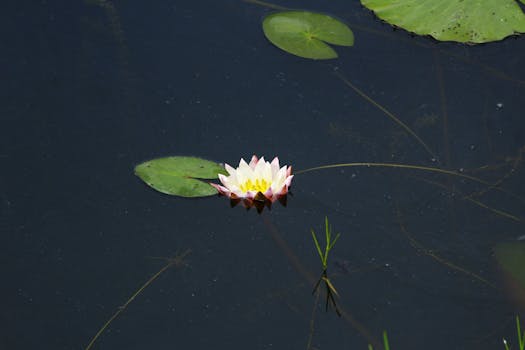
(178, 175)
(465, 21)
(511, 257)
(306, 34)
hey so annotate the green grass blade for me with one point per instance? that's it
(385, 341)
(318, 247)
(521, 339)
(335, 240)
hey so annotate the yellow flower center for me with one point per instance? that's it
(260, 185)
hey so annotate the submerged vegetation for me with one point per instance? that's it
(307, 35)
(178, 261)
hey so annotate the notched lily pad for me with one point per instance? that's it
(179, 176)
(306, 34)
(465, 21)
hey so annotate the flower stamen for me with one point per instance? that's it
(260, 185)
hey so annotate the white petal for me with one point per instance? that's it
(259, 168)
(242, 163)
(227, 182)
(275, 166)
(229, 169)
(233, 180)
(267, 172)
(223, 179)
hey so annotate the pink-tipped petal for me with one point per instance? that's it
(254, 161)
(221, 189)
(288, 181)
(251, 194)
(269, 194)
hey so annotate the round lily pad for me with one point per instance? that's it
(179, 176)
(465, 21)
(306, 34)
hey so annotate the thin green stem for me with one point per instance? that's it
(521, 338)
(395, 165)
(318, 248)
(385, 341)
(329, 243)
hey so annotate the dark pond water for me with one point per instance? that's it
(90, 89)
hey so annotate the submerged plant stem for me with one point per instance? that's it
(395, 165)
(387, 112)
(474, 201)
(177, 260)
(312, 322)
(267, 5)
(419, 247)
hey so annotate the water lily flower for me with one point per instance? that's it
(258, 183)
